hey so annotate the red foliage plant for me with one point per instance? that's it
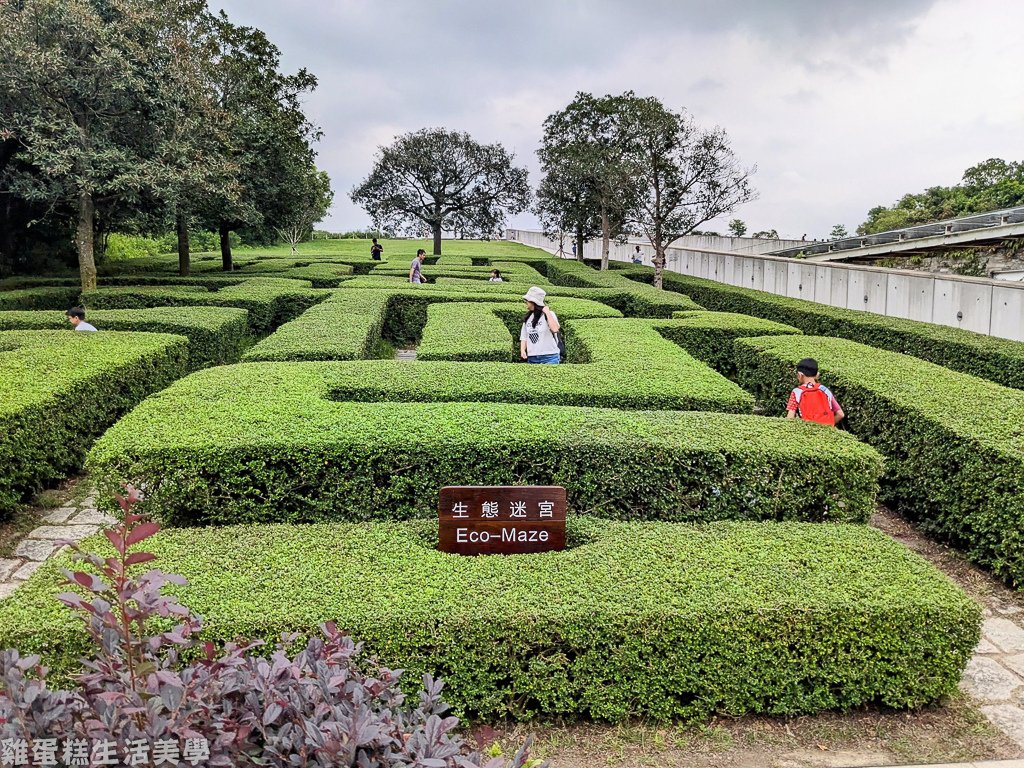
(311, 705)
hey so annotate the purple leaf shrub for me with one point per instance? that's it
(311, 706)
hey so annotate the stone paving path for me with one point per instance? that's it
(406, 355)
(995, 675)
(72, 522)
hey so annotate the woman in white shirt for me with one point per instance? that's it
(537, 341)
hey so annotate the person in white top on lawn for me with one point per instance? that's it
(76, 316)
(537, 341)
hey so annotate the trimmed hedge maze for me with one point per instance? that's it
(718, 560)
(953, 442)
(215, 335)
(634, 620)
(59, 390)
(999, 360)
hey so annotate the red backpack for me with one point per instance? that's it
(814, 406)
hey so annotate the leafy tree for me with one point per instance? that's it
(987, 186)
(565, 205)
(686, 175)
(313, 199)
(268, 138)
(737, 228)
(440, 178)
(838, 232)
(86, 83)
(584, 155)
(766, 234)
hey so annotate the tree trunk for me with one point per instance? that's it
(437, 238)
(225, 248)
(579, 243)
(606, 236)
(184, 257)
(84, 240)
(659, 263)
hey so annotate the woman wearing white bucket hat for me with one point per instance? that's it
(537, 340)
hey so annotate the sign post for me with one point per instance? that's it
(501, 520)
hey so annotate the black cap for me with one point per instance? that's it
(808, 366)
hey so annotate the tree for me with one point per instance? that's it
(313, 199)
(435, 177)
(86, 82)
(838, 232)
(737, 228)
(268, 138)
(987, 186)
(584, 151)
(766, 234)
(686, 175)
(565, 205)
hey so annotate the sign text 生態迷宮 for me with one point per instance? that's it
(501, 520)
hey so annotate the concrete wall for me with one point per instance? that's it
(991, 307)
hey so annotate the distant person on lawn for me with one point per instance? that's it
(638, 257)
(415, 274)
(376, 250)
(496, 276)
(537, 340)
(813, 401)
(76, 316)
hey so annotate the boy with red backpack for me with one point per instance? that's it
(813, 401)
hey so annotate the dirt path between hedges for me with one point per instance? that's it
(957, 731)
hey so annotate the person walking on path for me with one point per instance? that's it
(376, 250)
(496, 276)
(415, 274)
(638, 256)
(537, 340)
(811, 400)
(76, 316)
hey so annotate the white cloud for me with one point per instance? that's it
(842, 105)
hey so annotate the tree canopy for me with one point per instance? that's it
(987, 186)
(443, 180)
(141, 114)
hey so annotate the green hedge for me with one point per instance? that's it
(654, 374)
(59, 390)
(999, 360)
(215, 335)
(651, 620)
(348, 325)
(521, 275)
(264, 442)
(953, 442)
(643, 300)
(709, 336)
(269, 301)
(51, 297)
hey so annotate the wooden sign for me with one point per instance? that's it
(501, 520)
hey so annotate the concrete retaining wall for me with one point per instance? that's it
(991, 307)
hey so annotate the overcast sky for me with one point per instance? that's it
(841, 104)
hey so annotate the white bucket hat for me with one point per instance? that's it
(536, 295)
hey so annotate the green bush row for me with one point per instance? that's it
(59, 390)
(626, 298)
(709, 336)
(269, 301)
(44, 297)
(520, 275)
(999, 360)
(265, 442)
(651, 620)
(475, 331)
(215, 335)
(352, 321)
(953, 443)
(656, 374)
(643, 302)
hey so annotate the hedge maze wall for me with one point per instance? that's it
(718, 556)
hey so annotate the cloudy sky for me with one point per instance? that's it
(841, 104)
